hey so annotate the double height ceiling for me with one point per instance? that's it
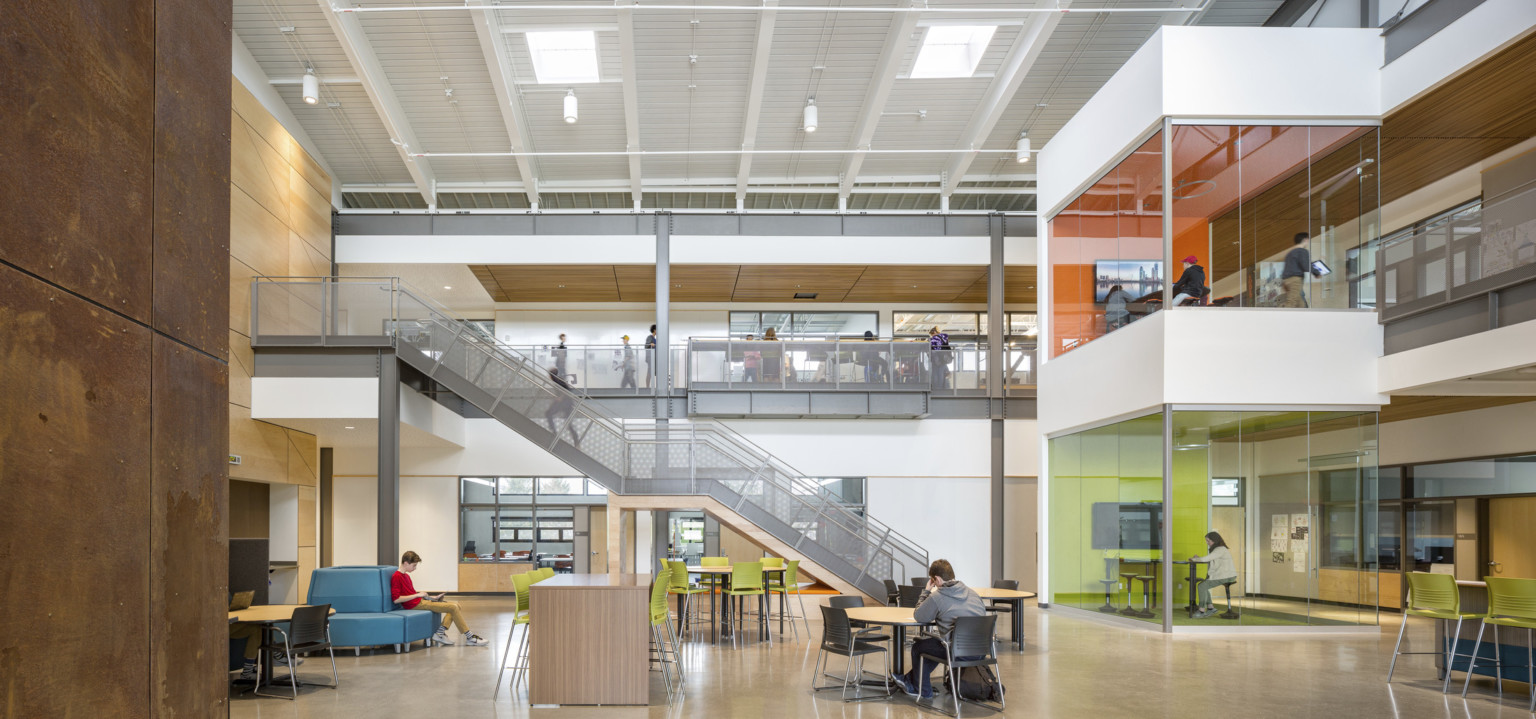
(744, 104)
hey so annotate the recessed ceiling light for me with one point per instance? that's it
(350, 427)
(952, 50)
(564, 56)
(447, 287)
(560, 286)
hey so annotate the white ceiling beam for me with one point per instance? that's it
(681, 188)
(631, 95)
(762, 50)
(365, 64)
(1026, 48)
(891, 55)
(488, 29)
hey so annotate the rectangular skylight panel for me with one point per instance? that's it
(952, 50)
(564, 56)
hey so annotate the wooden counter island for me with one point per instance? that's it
(589, 641)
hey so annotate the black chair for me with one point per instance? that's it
(909, 597)
(919, 581)
(971, 644)
(308, 631)
(1009, 584)
(838, 638)
(865, 632)
(892, 592)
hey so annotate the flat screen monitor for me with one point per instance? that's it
(1136, 278)
(1126, 525)
(1226, 492)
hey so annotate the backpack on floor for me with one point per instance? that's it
(980, 684)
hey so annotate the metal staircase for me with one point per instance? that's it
(697, 457)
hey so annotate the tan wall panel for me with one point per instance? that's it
(309, 212)
(256, 236)
(263, 448)
(240, 297)
(304, 259)
(311, 170)
(249, 109)
(258, 169)
(241, 360)
(737, 547)
(308, 560)
(308, 528)
(303, 459)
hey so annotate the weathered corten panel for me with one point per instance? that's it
(189, 542)
(191, 220)
(74, 504)
(77, 133)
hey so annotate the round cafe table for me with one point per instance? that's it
(1015, 599)
(898, 619)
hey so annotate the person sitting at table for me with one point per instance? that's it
(251, 633)
(943, 600)
(1222, 571)
(404, 594)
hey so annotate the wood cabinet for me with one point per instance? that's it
(490, 576)
(590, 636)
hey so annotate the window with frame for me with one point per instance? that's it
(518, 519)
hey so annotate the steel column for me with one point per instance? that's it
(389, 459)
(997, 332)
(662, 355)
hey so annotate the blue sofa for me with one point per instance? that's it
(365, 616)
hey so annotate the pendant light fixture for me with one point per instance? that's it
(570, 106)
(1021, 151)
(810, 115)
(311, 87)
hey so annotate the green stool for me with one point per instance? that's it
(520, 583)
(790, 584)
(679, 586)
(1433, 596)
(747, 581)
(661, 630)
(1511, 603)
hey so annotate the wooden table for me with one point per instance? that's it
(724, 573)
(267, 615)
(590, 635)
(898, 619)
(1015, 598)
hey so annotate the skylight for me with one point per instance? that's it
(952, 50)
(564, 56)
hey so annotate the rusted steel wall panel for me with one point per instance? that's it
(74, 504)
(78, 137)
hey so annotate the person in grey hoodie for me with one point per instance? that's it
(944, 600)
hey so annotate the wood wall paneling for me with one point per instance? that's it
(240, 275)
(309, 212)
(250, 509)
(779, 283)
(263, 448)
(75, 416)
(309, 527)
(241, 363)
(489, 576)
(916, 283)
(257, 237)
(306, 260)
(256, 117)
(303, 458)
(78, 137)
(259, 169)
(188, 548)
(312, 173)
(1404, 407)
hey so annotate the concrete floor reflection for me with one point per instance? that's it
(1069, 668)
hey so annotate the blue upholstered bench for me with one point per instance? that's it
(365, 616)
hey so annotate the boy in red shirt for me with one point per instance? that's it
(404, 594)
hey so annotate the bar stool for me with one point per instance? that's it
(1111, 583)
(520, 584)
(1433, 596)
(1148, 590)
(1229, 614)
(1511, 603)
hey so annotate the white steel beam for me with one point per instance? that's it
(489, 29)
(1026, 48)
(631, 94)
(354, 42)
(761, 52)
(886, 67)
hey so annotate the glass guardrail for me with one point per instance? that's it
(1465, 252)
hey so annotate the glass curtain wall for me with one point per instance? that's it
(1293, 495)
(1106, 251)
(1241, 194)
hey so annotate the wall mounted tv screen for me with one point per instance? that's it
(1137, 277)
(1118, 525)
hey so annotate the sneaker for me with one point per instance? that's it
(248, 673)
(441, 637)
(906, 686)
(282, 660)
(475, 640)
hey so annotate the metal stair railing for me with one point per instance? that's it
(691, 458)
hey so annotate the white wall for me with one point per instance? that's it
(831, 250)
(1114, 376)
(497, 249)
(1237, 72)
(277, 398)
(354, 520)
(948, 517)
(1495, 350)
(429, 526)
(1479, 433)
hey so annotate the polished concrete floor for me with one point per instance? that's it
(1070, 668)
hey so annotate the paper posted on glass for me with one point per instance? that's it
(1277, 539)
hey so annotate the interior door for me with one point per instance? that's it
(1512, 537)
(598, 549)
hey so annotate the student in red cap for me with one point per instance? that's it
(1191, 284)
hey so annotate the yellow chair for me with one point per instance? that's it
(686, 608)
(747, 581)
(520, 584)
(773, 562)
(790, 584)
(710, 579)
(661, 630)
(1511, 603)
(1433, 596)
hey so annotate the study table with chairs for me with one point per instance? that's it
(302, 628)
